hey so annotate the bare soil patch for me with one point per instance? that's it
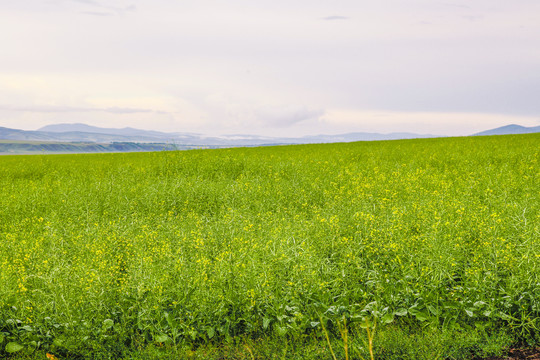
(521, 354)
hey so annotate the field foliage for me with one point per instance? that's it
(106, 254)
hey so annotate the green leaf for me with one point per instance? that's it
(107, 324)
(449, 305)
(432, 309)
(401, 312)
(281, 330)
(58, 342)
(12, 347)
(421, 315)
(266, 322)
(314, 324)
(170, 321)
(331, 310)
(367, 323)
(161, 338)
(469, 312)
(388, 318)
(1, 338)
(211, 332)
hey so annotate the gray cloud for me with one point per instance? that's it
(335, 17)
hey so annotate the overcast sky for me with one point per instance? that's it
(271, 67)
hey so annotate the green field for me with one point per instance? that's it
(17, 147)
(273, 252)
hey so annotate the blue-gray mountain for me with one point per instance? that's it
(90, 134)
(510, 129)
(86, 133)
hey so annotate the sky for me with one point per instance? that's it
(271, 67)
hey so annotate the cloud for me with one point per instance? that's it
(457, 5)
(335, 17)
(121, 110)
(439, 123)
(287, 115)
(96, 13)
(69, 109)
(472, 17)
(89, 2)
(100, 9)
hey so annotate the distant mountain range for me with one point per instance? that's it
(510, 129)
(82, 133)
(86, 133)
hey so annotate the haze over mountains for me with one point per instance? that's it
(91, 134)
(87, 133)
(510, 129)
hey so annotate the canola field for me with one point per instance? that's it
(103, 254)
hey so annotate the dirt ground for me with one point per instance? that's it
(521, 354)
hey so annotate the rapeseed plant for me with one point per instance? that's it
(209, 246)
